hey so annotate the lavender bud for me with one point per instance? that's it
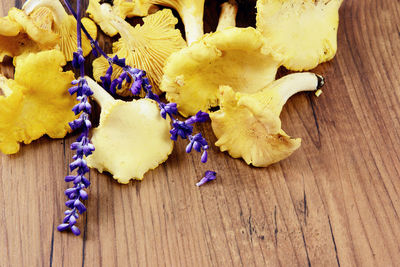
(69, 191)
(67, 212)
(72, 220)
(75, 230)
(189, 147)
(70, 203)
(86, 182)
(79, 205)
(63, 227)
(204, 156)
(69, 178)
(73, 90)
(83, 194)
(197, 146)
(199, 117)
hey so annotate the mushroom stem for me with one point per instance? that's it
(227, 18)
(121, 25)
(99, 94)
(291, 84)
(55, 6)
(193, 24)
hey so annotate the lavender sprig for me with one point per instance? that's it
(82, 146)
(184, 129)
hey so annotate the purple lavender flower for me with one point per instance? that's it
(170, 109)
(198, 142)
(180, 128)
(199, 117)
(106, 79)
(209, 176)
(82, 146)
(138, 80)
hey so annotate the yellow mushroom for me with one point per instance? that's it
(305, 31)
(42, 18)
(237, 57)
(96, 11)
(248, 125)
(121, 8)
(131, 139)
(190, 11)
(64, 26)
(20, 34)
(9, 27)
(145, 47)
(37, 34)
(36, 102)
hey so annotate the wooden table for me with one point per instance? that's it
(336, 201)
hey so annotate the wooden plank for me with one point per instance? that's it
(334, 202)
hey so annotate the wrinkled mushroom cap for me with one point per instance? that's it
(248, 125)
(25, 111)
(190, 11)
(305, 32)
(20, 34)
(140, 137)
(9, 27)
(121, 8)
(17, 45)
(96, 12)
(42, 18)
(145, 47)
(67, 32)
(37, 34)
(237, 57)
(257, 138)
(64, 26)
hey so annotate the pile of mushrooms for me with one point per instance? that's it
(232, 70)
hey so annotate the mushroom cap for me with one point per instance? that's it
(67, 31)
(18, 45)
(42, 18)
(145, 47)
(37, 34)
(190, 11)
(8, 27)
(252, 134)
(141, 8)
(64, 25)
(20, 34)
(25, 111)
(305, 32)
(96, 11)
(129, 146)
(121, 8)
(237, 57)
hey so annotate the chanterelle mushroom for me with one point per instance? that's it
(131, 139)
(121, 8)
(305, 31)
(190, 11)
(248, 125)
(145, 47)
(20, 34)
(36, 102)
(9, 27)
(237, 57)
(65, 26)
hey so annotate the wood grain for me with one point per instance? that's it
(335, 202)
